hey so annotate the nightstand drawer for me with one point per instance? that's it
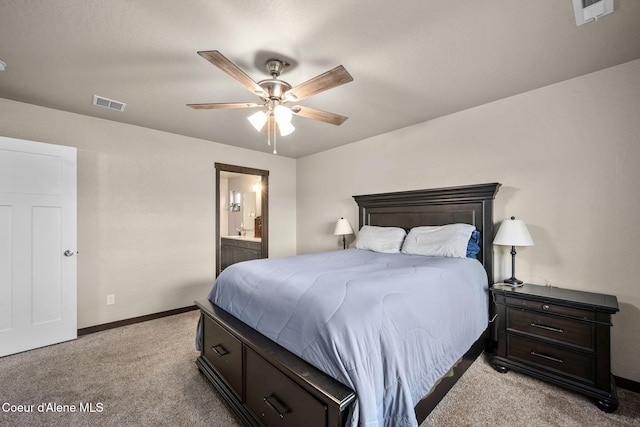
(579, 365)
(551, 308)
(570, 331)
(557, 335)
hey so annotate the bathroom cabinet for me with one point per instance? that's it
(233, 250)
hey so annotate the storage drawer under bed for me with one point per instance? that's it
(276, 399)
(223, 351)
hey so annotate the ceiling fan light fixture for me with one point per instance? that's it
(258, 120)
(282, 114)
(286, 128)
(275, 92)
(283, 117)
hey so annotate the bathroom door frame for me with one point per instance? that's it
(264, 198)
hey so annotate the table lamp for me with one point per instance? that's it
(513, 232)
(343, 228)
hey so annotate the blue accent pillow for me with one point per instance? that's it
(473, 247)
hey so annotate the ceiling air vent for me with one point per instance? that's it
(108, 103)
(590, 10)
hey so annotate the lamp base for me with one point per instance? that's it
(513, 282)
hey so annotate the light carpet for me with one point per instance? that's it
(145, 375)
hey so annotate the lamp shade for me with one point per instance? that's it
(283, 117)
(343, 227)
(258, 120)
(286, 128)
(513, 232)
(282, 114)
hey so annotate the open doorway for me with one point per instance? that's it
(242, 214)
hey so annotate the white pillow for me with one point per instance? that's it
(387, 240)
(445, 241)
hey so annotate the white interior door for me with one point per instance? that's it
(38, 238)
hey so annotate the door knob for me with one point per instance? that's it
(68, 253)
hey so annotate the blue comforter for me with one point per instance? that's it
(386, 325)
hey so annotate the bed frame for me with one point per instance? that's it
(239, 361)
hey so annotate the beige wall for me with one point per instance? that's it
(567, 156)
(146, 209)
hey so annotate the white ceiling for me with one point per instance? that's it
(411, 60)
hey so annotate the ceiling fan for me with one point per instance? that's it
(275, 93)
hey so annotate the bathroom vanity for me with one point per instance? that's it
(235, 249)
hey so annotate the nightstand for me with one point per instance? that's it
(557, 335)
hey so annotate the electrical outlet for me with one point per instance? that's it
(111, 299)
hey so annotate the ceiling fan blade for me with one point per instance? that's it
(323, 116)
(218, 106)
(324, 81)
(221, 61)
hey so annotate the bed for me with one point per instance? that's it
(310, 377)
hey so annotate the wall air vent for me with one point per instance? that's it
(108, 103)
(590, 10)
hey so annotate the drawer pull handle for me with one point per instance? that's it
(544, 356)
(222, 352)
(545, 307)
(546, 328)
(267, 400)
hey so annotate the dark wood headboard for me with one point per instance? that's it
(471, 204)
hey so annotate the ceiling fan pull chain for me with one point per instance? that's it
(268, 132)
(274, 140)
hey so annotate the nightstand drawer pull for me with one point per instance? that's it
(547, 328)
(544, 356)
(545, 307)
(222, 352)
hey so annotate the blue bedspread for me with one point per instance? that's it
(386, 325)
